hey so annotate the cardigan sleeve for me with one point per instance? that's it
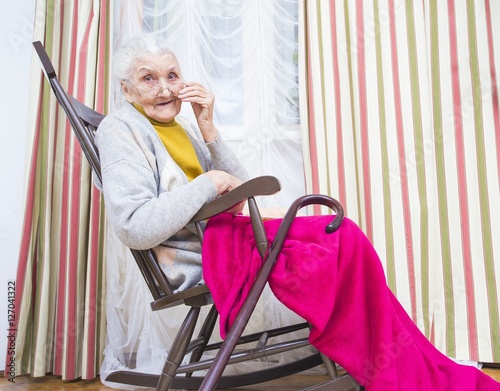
(224, 159)
(142, 213)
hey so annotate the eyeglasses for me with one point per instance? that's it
(152, 87)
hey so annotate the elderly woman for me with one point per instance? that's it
(158, 170)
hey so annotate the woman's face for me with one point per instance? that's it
(154, 85)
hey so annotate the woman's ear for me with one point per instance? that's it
(126, 90)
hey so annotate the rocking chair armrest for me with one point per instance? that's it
(260, 186)
(311, 199)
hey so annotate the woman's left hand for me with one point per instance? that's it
(202, 102)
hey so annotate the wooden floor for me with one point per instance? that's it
(292, 383)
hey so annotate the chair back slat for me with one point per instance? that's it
(84, 122)
(154, 276)
(86, 141)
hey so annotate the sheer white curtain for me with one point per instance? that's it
(246, 52)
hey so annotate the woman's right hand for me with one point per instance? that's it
(223, 181)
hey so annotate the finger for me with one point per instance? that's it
(192, 83)
(196, 97)
(196, 92)
(237, 208)
(198, 101)
(190, 87)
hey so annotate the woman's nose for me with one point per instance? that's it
(162, 88)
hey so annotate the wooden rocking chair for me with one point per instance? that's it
(176, 375)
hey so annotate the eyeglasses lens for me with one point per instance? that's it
(173, 86)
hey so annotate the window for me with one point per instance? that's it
(246, 52)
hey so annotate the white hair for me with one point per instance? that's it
(136, 48)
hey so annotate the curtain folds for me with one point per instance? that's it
(60, 279)
(402, 126)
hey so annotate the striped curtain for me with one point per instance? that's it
(401, 123)
(60, 305)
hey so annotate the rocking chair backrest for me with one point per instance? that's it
(84, 122)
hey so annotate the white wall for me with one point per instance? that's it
(16, 31)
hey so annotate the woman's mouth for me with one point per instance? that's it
(164, 103)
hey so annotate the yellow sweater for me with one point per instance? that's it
(178, 145)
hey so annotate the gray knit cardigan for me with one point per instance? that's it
(148, 198)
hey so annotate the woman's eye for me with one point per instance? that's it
(148, 79)
(172, 76)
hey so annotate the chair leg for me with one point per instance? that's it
(330, 366)
(178, 350)
(205, 333)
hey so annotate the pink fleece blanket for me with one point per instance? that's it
(335, 282)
